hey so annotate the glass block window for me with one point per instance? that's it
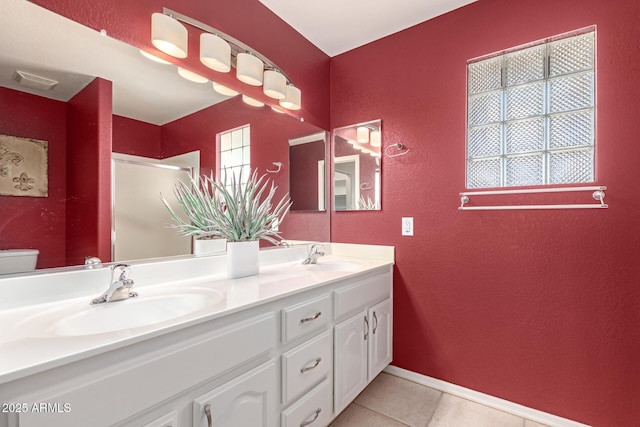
(530, 114)
(235, 154)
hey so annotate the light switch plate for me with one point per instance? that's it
(407, 226)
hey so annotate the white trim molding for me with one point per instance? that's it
(484, 399)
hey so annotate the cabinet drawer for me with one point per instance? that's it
(168, 420)
(306, 365)
(304, 317)
(362, 293)
(158, 376)
(312, 410)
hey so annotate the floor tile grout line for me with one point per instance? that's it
(383, 415)
(435, 408)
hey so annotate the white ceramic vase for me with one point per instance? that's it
(242, 259)
(209, 246)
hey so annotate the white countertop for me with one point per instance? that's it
(28, 346)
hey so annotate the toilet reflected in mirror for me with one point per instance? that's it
(357, 167)
(18, 260)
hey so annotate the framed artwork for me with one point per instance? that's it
(23, 167)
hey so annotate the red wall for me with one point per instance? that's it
(36, 222)
(89, 173)
(136, 138)
(246, 20)
(537, 307)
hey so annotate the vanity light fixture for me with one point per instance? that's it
(277, 110)
(223, 90)
(221, 52)
(374, 138)
(292, 100)
(251, 101)
(249, 69)
(154, 58)
(191, 76)
(215, 52)
(169, 35)
(275, 84)
(363, 134)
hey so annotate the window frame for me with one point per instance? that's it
(245, 166)
(502, 92)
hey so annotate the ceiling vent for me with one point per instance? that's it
(33, 81)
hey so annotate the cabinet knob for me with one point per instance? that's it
(315, 365)
(375, 322)
(366, 328)
(315, 417)
(207, 412)
(309, 319)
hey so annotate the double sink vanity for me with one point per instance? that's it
(292, 346)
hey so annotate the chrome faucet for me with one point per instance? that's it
(314, 254)
(119, 288)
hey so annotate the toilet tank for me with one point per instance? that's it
(18, 260)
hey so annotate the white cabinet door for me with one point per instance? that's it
(249, 400)
(350, 360)
(380, 337)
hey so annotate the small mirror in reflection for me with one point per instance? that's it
(357, 166)
(306, 172)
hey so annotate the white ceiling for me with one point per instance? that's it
(336, 26)
(40, 42)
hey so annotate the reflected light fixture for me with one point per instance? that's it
(215, 52)
(363, 134)
(249, 69)
(277, 110)
(191, 76)
(251, 101)
(374, 138)
(153, 57)
(169, 35)
(221, 52)
(275, 84)
(292, 100)
(223, 90)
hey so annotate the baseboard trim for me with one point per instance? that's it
(484, 399)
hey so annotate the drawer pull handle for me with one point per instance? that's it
(207, 411)
(366, 328)
(375, 322)
(309, 319)
(308, 368)
(315, 417)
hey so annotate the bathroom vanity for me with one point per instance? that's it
(292, 346)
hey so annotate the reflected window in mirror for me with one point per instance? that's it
(234, 154)
(357, 167)
(307, 172)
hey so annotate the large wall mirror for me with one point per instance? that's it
(154, 115)
(357, 167)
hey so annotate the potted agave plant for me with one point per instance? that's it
(240, 213)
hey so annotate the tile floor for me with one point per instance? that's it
(390, 401)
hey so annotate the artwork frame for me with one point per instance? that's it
(23, 166)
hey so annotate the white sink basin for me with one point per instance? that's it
(151, 307)
(334, 265)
